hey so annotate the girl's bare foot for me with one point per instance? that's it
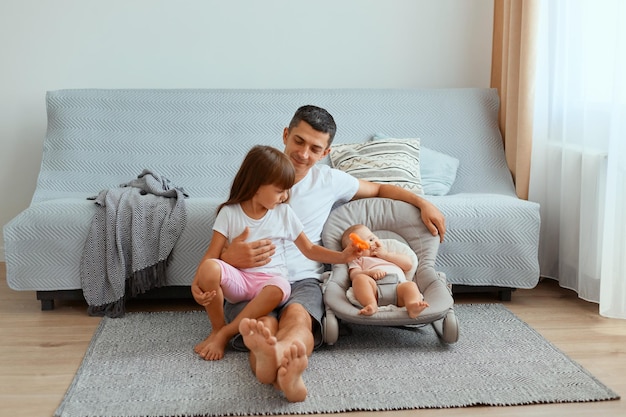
(414, 309)
(212, 348)
(369, 310)
(262, 344)
(289, 378)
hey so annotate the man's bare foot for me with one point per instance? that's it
(289, 378)
(414, 309)
(369, 310)
(212, 348)
(262, 344)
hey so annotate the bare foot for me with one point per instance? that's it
(262, 344)
(289, 378)
(212, 348)
(414, 309)
(369, 310)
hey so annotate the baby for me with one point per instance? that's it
(378, 277)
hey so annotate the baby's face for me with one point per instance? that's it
(367, 235)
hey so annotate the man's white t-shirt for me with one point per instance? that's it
(281, 225)
(312, 199)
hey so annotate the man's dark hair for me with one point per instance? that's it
(318, 118)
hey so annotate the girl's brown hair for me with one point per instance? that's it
(262, 165)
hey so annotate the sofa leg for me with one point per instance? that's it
(505, 294)
(47, 297)
(47, 305)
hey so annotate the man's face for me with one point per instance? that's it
(305, 146)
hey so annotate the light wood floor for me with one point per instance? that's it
(41, 351)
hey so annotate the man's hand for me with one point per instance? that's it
(433, 219)
(242, 254)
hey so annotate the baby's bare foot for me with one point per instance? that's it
(262, 344)
(369, 310)
(289, 378)
(212, 348)
(414, 309)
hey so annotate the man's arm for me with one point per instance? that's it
(431, 216)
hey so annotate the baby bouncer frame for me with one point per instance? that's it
(388, 219)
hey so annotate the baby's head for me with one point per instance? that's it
(361, 231)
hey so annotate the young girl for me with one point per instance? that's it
(255, 203)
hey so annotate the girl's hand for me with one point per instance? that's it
(201, 297)
(352, 252)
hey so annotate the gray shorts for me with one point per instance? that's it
(306, 292)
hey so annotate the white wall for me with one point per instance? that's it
(48, 45)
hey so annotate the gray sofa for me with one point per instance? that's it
(98, 139)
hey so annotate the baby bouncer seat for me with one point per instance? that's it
(392, 221)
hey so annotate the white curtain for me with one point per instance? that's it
(578, 164)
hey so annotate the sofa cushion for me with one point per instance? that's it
(387, 162)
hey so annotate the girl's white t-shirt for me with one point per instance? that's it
(281, 225)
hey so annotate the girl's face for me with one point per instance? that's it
(270, 195)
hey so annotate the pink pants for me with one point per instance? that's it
(238, 285)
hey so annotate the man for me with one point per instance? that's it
(280, 344)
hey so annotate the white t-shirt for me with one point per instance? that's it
(281, 225)
(312, 199)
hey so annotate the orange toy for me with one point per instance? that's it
(360, 243)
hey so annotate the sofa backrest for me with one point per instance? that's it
(98, 139)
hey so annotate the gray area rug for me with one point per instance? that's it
(144, 365)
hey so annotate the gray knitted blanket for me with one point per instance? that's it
(132, 235)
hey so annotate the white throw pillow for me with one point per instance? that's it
(386, 162)
(437, 170)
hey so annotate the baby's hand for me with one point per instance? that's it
(377, 274)
(378, 250)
